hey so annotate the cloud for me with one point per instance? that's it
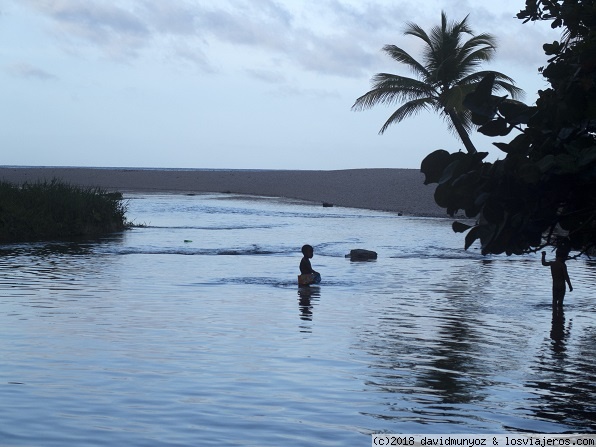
(371, 17)
(269, 29)
(115, 29)
(122, 30)
(336, 55)
(327, 37)
(314, 93)
(267, 76)
(193, 55)
(169, 17)
(27, 71)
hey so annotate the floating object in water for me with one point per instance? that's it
(309, 278)
(187, 240)
(360, 254)
(327, 205)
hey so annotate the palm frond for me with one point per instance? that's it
(468, 62)
(502, 82)
(389, 88)
(465, 118)
(476, 57)
(444, 56)
(458, 27)
(406, 110)
(403, 57)
(415, 30)
(481, 40)
(514, 91)
(454, 97)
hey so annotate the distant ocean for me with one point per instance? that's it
(121, 168)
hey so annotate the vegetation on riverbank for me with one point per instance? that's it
(57, 210)
(540, 192)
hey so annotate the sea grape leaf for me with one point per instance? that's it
(471, 237)
(516, 112)
(460, 227)
(529, 173)
(495, 128)
(551, 48)
(481, 101)
(433, 165)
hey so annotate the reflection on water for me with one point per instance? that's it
(193, 331)
(559, 332)
(308, 297)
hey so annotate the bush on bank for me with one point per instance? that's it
(57, 210)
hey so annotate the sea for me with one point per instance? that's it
(189, 329)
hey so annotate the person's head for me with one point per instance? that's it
(562, 253)
(308, 251)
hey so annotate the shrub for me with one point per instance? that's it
(57, 210)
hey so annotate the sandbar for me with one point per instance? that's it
(384, 189)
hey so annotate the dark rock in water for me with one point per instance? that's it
(327, 205)
(360, 254)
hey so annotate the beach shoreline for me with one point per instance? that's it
(383, 189)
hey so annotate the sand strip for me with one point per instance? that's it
(398, 190)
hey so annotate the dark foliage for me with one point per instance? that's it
(55, 210)
(543, 192)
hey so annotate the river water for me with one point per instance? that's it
(190, 330)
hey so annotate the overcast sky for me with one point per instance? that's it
(242, 84)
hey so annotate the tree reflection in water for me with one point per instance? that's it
(465, 349)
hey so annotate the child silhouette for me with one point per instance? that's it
(558, 270)
(307, 275)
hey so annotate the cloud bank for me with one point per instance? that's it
(326, 37)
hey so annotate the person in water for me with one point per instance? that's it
(307, 274)
(558, 270)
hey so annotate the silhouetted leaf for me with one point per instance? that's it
(546, 163)
(588, 156)
(442, 196)
(481, 101)
(471, 237)
(495, 128)
(551, 48)
(460, 227)
(516, 112)
(433, 165)
(565, 163)
(450, 173)
(480, 118)
(519, 145)
(493, 210)
(529, 173)
(484, 89)
(566, 133)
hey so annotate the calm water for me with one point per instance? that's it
(144, 339)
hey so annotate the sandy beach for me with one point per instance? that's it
(397, 190)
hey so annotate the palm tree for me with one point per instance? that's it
(444, 78)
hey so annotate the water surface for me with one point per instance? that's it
(192, 331)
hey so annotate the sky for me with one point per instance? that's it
(229, 84)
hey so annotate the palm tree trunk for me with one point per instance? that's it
(461, 131)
